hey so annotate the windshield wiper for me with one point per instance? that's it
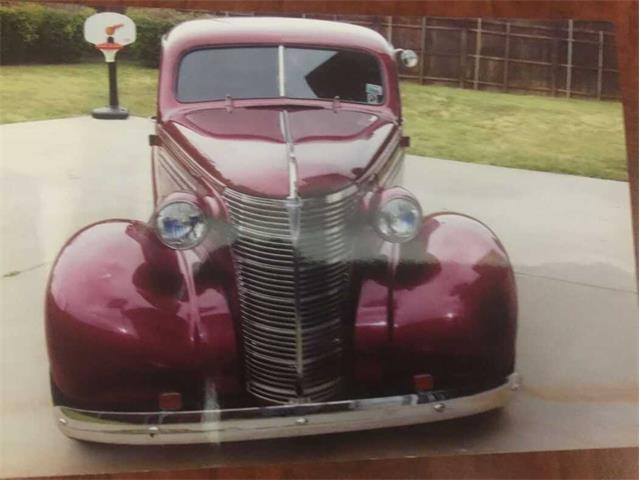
(285, 105)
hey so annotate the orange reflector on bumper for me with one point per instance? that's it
(423, 382)
(170, 401)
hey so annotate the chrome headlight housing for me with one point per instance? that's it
(398, 217)
(180, 225)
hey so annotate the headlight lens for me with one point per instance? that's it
(180, 225)
(398, 219)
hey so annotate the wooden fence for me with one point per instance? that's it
(560, 58)
(567, 58)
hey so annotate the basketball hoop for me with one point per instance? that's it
(109, 50)
(110, 32)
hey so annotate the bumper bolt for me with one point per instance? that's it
(439, 407)
(301, 421)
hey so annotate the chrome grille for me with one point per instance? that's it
(292, 265)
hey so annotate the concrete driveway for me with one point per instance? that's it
(569, 239)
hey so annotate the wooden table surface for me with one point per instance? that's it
(619, 463)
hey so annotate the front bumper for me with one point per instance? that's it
(213, 426)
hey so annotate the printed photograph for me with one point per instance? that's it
(232, 237)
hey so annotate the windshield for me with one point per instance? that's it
(270, 72)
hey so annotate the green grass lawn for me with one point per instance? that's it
(579, 137)
(39, 92)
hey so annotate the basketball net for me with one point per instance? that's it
(109, 50)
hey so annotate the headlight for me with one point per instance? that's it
(180, 225)
(398, 219)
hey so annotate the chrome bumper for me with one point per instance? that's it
(225, 425)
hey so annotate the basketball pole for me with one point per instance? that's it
(114, 111)
(113, 85)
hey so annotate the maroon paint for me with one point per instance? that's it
(128, 318)
(269, 31)
(445, 305)
(244, 149)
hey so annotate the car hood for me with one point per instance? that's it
(246, 148)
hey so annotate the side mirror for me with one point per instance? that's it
(408, 58)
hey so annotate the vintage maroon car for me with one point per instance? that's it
(286, 283)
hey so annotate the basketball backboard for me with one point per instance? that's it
(109, 32)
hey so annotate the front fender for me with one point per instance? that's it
(128, 318)
(444, 304)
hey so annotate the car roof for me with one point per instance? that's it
(273, 30)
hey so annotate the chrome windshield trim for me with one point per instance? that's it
(281, 73)
(281, 77)
(222, 425)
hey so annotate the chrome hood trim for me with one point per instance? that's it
(293, 206)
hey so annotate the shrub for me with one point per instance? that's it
(61, 37)
(146, 48)
(45, 34)
(151, 25)
(37, 33)
(19, 27)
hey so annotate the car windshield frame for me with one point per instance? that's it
(280, 79)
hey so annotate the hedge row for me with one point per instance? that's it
(35, 33)
(151, 25)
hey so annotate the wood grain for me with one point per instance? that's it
(570, 464)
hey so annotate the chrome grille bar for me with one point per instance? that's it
(292, 282)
